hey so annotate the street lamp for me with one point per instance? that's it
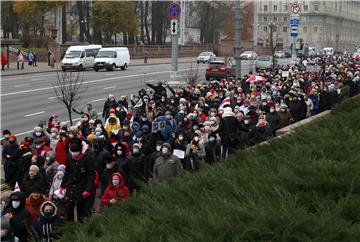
(272, 25)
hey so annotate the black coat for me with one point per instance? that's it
(107, 105)
(21, 221)
(23, 164)
(79, 176)
(106, 175)
(38, 183)
(100, 159)
(274, 121)
(228, 130)
(136, 164)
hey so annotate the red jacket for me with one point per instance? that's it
(119, 193)
(3, 59)
(61, 154)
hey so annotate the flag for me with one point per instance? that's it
(225, 103)
(17, 187)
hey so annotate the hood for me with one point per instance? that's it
(121, 179)
(48, 203)
(19, 196)
(125, 147)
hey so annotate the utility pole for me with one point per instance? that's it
(271, 25)
(238, 39)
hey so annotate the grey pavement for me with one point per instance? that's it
(28, 99)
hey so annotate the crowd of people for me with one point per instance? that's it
(153, 137)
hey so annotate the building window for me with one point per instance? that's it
(315, 29)
(286, 7)
(265, 28)
(304, 29)
(265, 8)
(274, 28)
(285, 28)
(275, 19)
(265, 19)
(285, 19)
(275, 8)
(306, 8)
(316, 8)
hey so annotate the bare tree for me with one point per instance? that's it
(68, 89)
(192, 74)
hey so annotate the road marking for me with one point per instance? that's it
(33, 114)
(30, 131)
(52, 98)
(109, 74)
(97, 100)
(37, 79)
(22, 77)
(109, 87)
(21, 85)
(87, 82)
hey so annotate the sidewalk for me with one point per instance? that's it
(43, 66)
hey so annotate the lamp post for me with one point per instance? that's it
(272, 25)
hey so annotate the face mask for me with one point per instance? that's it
(264, 103)
(246, 121)
(53, 135)
(48, 213)
(6, 136)
(32, 174)
(196, 139)
(47, 159)
(165, 150)
(37, 133)
(115, 182)
(181, 137)
(158, 148)
(119, 152)
(168, 116)
(144, 119)
(162, 100)
(272, 110)
(71, 136)
(98, 133)
(212, 114)
(135, 151)
(12, 142)
(74, 153)
(98, 125)
(108, 166)
(195, 115)
(282, 110)
(85, 119)
(15, 204)
(38, 146)
(60, 174)
(211, 139)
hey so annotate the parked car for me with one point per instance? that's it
(264, 62)
(206, 57)
(112, 58)
(219, 69)
(287, 51)
(248, 55)
(80, 57)
(328, 51)
(279, 54)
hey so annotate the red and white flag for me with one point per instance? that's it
(17, 187)
(225, 103)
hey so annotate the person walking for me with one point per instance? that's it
(34, 59)
(30, 58)
(20, 60)
(3, 60)
(167, 166)
(52, 60)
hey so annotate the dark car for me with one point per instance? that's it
(219, 69)
(287, 51)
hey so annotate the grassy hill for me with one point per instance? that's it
(303, 187)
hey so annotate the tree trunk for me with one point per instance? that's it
(13, 24)
(63, 23)
(146, 22)
(68, 107)
(87, 21)
(142, 22)
(131, 39)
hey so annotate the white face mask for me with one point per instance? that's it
(212, 114)
(109, 166)
(181, 137)
(60, 174)
(135, 151)
(246, 121)
(272, 110)
(15, 204)
(53, 135)
(37, 133)
(196, 139)
(165, 150)
(71, 136)
(98, 133)
(158, 148)
(38, 146)
(119, 152)
(98, 125)
(115, 182)
(74, 153)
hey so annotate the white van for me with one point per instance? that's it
(328, 51)
(112, 58)
(80, 57)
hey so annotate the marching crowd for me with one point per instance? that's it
(153, 137)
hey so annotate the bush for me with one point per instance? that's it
(302, 187)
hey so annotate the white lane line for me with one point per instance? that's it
(22, 77)
(109, 87)
(94, 81)
(97, 100)
(51, 98)
(21, 85)
(109, 74)
(37, 79)
(30, 131)
(33, 114)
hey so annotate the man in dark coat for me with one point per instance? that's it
(136, 168)
(18, 217)
(109, 103)
(78, 180)
(8, 156)
(33, 181)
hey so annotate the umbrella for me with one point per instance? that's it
(256, 79)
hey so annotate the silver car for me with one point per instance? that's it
(206, 57)
(264, 62)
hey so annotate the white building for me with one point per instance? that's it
(322, 23)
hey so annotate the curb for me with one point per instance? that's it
(53, 70)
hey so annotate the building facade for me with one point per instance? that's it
(322, 23)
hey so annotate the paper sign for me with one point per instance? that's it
(162, 125)
(313, 68)
(285, 74)
(155, 127)
(179, 153)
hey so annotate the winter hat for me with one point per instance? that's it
(112, 110)
(159, 142)
(137, 145)
(62, 133)
(111, 95)
(91, 121)
(73, 129)
(228, 112)
(75, 144)
(24, 144)
(38, 129)
(145, 128)
(138, 134)
(54, 130)
(34, 168)
(12, 137)
(198, 132)
(61, 167)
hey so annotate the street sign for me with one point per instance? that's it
(173, 10)
(294, 31)
(294, 21)
(295, 8)
(174, 27)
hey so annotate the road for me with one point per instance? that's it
(28, 99)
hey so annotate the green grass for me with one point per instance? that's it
(302, 187)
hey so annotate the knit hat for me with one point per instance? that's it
(61, 167)
(24, 144)
(13, 137)
(38, 129)
(112, 110)
(34, 168)
(54, 130)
